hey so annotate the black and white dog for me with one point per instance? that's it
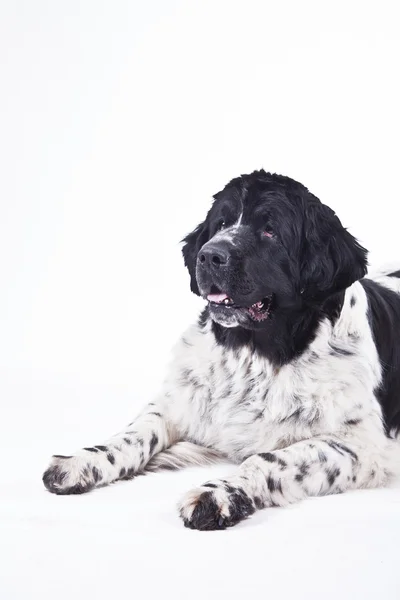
(293, 369)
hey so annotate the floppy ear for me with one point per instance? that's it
(332, 258)
(192, 244)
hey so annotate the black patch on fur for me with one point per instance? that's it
(128, 441)
(122, 472)
(353, 301)
(352, 422)
(337, 350)
(342, 449)
(91, 449)
(268, 456)
(258, 502)
(299, 477)
(274, 485)
(102, 448)
(97, 474)
(61, 456)
(332, 474)
(395, 274)
(384, 320)
(157, 414)
(230, 489)
(210, 485)
(111, 458)
(130, 474)
(304, 468)
(153, 442)
(322, 457)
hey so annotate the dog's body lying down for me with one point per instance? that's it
(292, 369)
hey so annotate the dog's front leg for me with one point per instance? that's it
(121, 457)
(313, 467)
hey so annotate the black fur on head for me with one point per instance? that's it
(270, 252)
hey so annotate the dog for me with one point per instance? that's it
(292, 370)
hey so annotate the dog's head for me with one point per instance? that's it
(268, 246)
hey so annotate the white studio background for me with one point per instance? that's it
(118, 121)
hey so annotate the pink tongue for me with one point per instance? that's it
(218, 298)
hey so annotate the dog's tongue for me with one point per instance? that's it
(217, 298)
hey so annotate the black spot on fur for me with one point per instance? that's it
(122, 472)
(353, 301)
(258, 502)
(102, 448)
(91, 449)
(304, 468)
(157, 414)
(111, 458)
(127, 441)
(259, 415)
(210, 485)
(230, 489)
(97, 474)
(61, 456)
(299, 477)
(274, 485)
(352, 422)
(395, 274)
(332, 475)
(337, 350)
(268, 456)
(153, 442)
(322, 457)
(342, 449)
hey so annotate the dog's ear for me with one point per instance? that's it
(332, 259)
(191, 246)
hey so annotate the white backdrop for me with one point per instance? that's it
(118, 121)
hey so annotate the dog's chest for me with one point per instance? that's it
(240, 404)
(247, 404)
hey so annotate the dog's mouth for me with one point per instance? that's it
(259, 311)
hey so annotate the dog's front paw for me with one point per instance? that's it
(216, 505)
(71, 475)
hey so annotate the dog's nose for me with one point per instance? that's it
(213, 256)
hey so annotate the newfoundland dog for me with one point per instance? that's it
(292, 370)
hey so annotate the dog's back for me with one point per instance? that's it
(383, 293)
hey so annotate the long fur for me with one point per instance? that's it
(292, 370)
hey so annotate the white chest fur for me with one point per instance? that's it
(238, 403)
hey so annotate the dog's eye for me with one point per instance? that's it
(221, 225)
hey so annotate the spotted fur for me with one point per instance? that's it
(317, 422)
